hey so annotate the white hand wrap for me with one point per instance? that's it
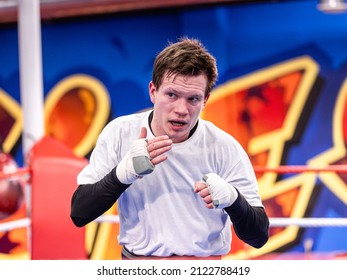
(135, 163)
(222, 193)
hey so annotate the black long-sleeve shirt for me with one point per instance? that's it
(89, 201)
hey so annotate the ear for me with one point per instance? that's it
(152, 91)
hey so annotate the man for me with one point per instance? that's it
(179, 180)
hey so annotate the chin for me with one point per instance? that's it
(179, 137)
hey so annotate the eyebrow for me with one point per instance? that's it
(171, 89)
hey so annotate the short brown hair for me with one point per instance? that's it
(185, 57)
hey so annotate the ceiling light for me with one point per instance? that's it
(332, 6)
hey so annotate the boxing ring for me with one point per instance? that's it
(37, 229)
(51, 234)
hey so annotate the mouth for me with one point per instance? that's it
(178, 123)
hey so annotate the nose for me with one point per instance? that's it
(181, 107)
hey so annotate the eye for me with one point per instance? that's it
(171, 95)
(194, 99)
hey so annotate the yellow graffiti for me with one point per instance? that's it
(293, 80)
(338, 152)
(13, 110)
(78, 107)
(263, 110)
(76, 110)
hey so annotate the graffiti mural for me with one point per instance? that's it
(281, 93)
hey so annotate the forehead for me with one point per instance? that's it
(185, 83)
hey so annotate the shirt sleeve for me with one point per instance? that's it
(89, 201)
(251, 223)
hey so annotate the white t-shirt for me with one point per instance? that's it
(160, 214)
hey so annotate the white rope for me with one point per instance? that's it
(21, 223)
(274, 222)
(308, 222)
(114, 219)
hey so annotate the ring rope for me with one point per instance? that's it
(18, 172)
(281, 169)
(274, 222)
(308, 222)
(20, 223)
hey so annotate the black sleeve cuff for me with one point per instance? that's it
(250, 223)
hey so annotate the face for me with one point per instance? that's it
(177, 105)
